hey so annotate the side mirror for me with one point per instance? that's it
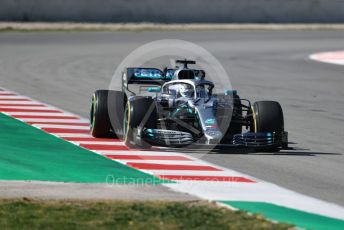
(154, 89)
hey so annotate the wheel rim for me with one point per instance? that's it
(92, 112)
(254, 119)
(126, 121)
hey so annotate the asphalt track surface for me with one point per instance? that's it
(58, 190)
(63, 69)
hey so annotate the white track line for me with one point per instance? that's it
(13, 97)
(258, 192)
(52, 120)
(335, 57)
(14, 103)
(62, 135)
(27, 107)
(40, 114)
(166, 162)
(197, 173)
(115, 143)
(132, 152)
(62, 126)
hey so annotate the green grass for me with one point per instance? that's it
(300, 218)
(39, 214)
(27, 153)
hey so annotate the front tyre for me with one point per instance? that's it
(267, 116)
(106, 113)
(140, 113)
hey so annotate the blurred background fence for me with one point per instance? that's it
(175, 11)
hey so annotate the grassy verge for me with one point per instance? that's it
(28, 153)
(39, 214)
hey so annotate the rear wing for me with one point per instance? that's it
(143, 76)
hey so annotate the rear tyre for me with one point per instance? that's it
(139, 110)
(267, 117)
(106, 114)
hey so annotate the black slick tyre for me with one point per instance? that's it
(267, 117)
(106, 113)
(140, 112)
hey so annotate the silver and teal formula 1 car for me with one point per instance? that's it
(177, 108)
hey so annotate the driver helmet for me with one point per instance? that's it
(186, 90)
